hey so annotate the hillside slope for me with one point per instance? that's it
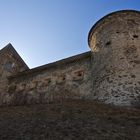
(70, 120)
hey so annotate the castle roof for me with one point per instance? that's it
(9, 48)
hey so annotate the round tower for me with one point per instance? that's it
(115, 44)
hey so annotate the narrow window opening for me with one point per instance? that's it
(61, 79)
(48, 81)
(78, 75)
(135, 36)
(108, 43)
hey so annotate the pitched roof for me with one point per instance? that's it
(10, 48)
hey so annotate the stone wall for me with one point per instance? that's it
(109, 73)
(115, 43)
(10, 64)
(69, 78)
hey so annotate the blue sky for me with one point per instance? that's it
(44, 31)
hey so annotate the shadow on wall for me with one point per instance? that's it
(136, 102)
(55, 94)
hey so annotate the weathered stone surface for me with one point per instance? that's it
(10, 64)
(109, 73)
(54, 82)
(115, 43)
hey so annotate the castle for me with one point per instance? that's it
(109, 73)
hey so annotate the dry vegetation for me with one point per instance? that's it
(70, 120)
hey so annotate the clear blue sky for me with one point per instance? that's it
(44, 31)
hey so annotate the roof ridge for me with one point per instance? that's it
(54, 64)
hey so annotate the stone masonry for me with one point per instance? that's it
(110, 72)
(115, 45)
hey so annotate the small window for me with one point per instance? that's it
(47, 81)
(61, 79)
(135, 36)
(78, 75)
(108, 43)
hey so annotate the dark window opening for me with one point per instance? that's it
(135, 36)
(108, 43)
(61, 79)
(64, 78)
(47, 81)
(79, 74)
